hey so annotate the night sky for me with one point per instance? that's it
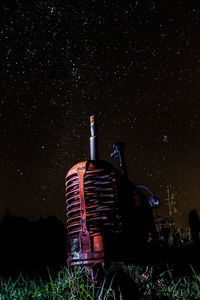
(135, 65)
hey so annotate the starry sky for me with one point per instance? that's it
(135, 65)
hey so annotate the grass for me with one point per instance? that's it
(165, 286)
(65, 284)
(75, 284)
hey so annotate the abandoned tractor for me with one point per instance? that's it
(108, 217)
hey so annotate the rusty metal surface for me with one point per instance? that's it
(93, 148)
(92, 210)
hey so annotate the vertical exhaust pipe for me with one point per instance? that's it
(93, 150)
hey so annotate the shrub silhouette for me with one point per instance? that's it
(26, 245)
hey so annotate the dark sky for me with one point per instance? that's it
(134, 64)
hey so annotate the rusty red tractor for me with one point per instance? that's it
(105, 211)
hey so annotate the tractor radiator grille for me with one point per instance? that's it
(92, 211)
(101, 197)
(73, 204)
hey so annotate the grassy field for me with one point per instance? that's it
(75, 284)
